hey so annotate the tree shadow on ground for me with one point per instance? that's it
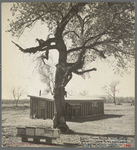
(92, 118)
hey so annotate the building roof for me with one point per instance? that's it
(84, 98)
(40, 97)
(71, 99)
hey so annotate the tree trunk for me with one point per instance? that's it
(114, 100)
(59, 91)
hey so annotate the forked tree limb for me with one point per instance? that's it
(74, 68)
(66, 19)
(92, 46)
(42, 47)
(29, 50)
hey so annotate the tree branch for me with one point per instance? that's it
(54, 10)
(81, 72)
(28, 50)
(119, 50)
(81, 23)
(105, 31)
(72, 32)
(41, 47)
(66, 19)
(88, 16)
(91, 38)
(31, 21)
(35, 20)
(101, 53)
(86, 47)
(90, 46)
(50, 47)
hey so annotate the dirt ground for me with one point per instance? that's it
(116, 125)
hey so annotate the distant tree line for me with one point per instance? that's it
(22, 101)
(120, 99)
(107, 100)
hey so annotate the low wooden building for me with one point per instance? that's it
(41, 107)
(75, 107)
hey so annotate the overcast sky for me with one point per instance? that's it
(18, 69)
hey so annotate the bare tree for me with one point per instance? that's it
(17, 93)
(47, 77)
(111, 90)
(96, 30)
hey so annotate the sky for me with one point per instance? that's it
(19, 69)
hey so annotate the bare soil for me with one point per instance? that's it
(117, 122)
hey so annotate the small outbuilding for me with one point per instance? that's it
(41, 107)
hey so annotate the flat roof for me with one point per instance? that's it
(44, 98)
(71, 99)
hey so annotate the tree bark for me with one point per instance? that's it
(59, 91)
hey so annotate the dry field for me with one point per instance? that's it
(117, 123)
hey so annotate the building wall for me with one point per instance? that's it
(44, 108)
(41, 108)
(88, 108)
